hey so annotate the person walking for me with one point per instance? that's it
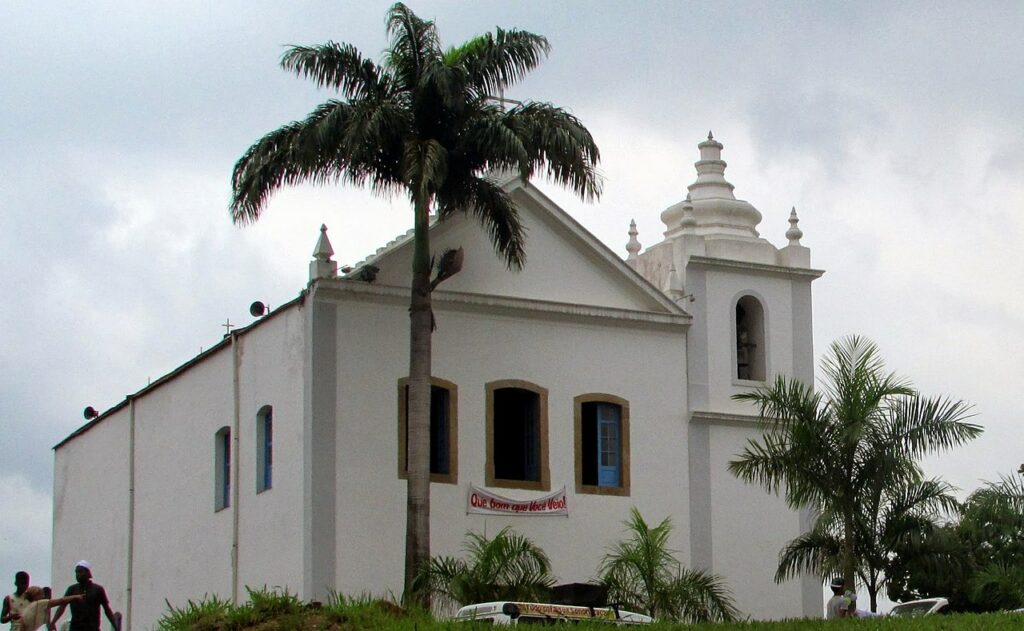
(16, 602)
(85, 613)
(37, 612)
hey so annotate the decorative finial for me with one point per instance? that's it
(689, 220)
(633, 246)
(323, 250)
(710, 136)
(794, 233)
(322, 266)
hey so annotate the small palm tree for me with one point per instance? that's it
(507, 567)
(642, 573)
(423, 124)
(886, 523)
(866, 429)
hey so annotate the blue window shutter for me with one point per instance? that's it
(609, 445)
(226, 445)
(268, 449)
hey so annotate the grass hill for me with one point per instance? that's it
(268, 610)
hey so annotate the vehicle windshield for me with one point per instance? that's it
(913, 609)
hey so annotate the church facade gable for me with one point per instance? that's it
(564, 262)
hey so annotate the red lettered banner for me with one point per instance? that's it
(486, 503)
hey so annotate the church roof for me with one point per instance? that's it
(225, 342)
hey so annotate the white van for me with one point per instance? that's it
(504, 612)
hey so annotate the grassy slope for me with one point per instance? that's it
(269, 611)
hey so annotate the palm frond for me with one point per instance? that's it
(424, 167)
(338, 66)
(558, 143)
(816, 552)
(414, 46)
(495, 210)
(698, 596)
(288, 155)
(923, 425)
(493, 62)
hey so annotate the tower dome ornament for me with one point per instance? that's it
(711, 209)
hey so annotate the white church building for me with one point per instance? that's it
(564, 395)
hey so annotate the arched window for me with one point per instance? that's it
(517, 435)
(750, 338)
(264, 448)
(602, 444)
(222, 468)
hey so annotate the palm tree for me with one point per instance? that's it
(507, 567)
(888, 520)
(423, 123)
(642, 573)
(866, 429)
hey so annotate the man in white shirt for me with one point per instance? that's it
(836, 606)
(16, 602)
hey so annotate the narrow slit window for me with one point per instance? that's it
(222, 468)
(265, 449)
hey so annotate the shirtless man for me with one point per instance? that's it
(85, 613)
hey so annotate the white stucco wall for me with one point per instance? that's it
(471, 349)
(724, 289)
(182, 547)
(181, 542)
(750, 527)
(271, 373)
(90, 508)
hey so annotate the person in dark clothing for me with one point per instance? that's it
(85, 613)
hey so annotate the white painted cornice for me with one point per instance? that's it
(341, 289)
(756, 268)
(721, 418)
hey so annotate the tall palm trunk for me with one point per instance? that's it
(849, 556)
(417, 528)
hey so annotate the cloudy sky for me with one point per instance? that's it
(894, 131)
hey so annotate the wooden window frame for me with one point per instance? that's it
(452, 477)
(623, 490)
(544, 483)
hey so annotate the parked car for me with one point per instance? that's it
(923, 607)
(516, 613)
